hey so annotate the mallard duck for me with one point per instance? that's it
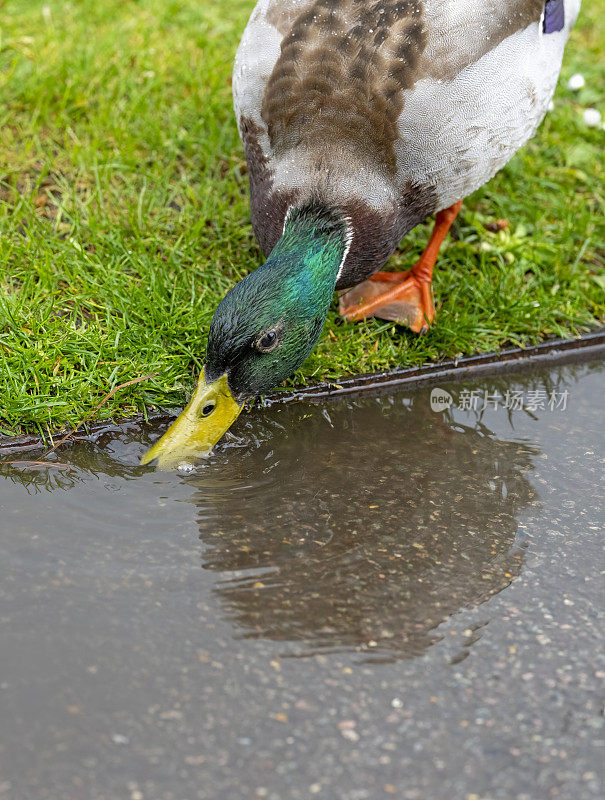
(359, 119)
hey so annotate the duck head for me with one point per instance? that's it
(262, 331)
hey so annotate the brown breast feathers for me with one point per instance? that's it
(340, 78)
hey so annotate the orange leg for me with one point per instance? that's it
(389, 277)
(410, 301)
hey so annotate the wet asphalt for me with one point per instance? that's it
(362, 600)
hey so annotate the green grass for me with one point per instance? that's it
(124, 214)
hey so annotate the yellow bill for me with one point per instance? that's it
(209, 413)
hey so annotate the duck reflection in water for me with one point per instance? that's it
(340, 527)
(365, 530)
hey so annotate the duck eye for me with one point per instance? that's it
(208, 409)
(267, 341)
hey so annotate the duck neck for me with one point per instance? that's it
(310, 254)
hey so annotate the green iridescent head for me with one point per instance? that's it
(269, 322)
(265, 327)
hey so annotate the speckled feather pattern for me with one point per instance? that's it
(339, 79)
(390, 109)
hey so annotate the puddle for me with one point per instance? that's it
(359, 524)
(367, 536)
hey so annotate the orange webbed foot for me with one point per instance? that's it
(401, 298)
(404, 297)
